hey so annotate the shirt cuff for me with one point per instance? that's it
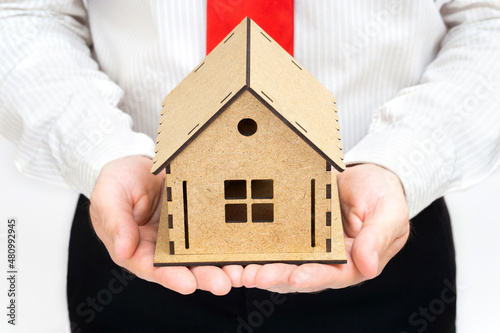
(422, 169)
(85, 160)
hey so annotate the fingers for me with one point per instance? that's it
(248, 275)
(274, 276)
(270, 276)
(316, 277)
(179, 279)
(212, 279)
(133, 246)
(285, 278)
(234, 272)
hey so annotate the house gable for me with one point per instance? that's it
(248, 59)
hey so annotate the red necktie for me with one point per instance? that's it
(274, 16)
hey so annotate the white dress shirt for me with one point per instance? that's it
(417, 82)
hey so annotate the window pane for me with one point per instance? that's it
(262, 189)
(262, 212)
(235, 189)
(236, 213)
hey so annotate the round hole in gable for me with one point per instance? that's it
(247, 127)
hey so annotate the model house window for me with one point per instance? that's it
(247, 127)
(260, 200)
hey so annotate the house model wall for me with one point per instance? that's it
(248, 140)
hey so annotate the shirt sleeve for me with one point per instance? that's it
(444, 133)
(55, 105)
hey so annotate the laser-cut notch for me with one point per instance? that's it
(199, 67)
(263, 34)
(301, 127)
(231, 35)
(269, 98)
(185, 204)
(313, 212)
(226, 97)
(296, 65)
(191, 131)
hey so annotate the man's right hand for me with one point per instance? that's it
(125, 211)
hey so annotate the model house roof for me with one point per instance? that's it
(249, 59)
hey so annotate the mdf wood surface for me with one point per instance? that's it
(221, 153)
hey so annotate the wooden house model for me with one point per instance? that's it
(248, 140)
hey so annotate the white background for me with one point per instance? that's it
(44, 214)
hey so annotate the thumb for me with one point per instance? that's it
(126, 235)
(382, 235)
(115, 225)
(366, 249)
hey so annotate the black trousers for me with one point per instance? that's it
(415, 293)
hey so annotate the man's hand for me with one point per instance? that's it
(376, 225)
(125, 211)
